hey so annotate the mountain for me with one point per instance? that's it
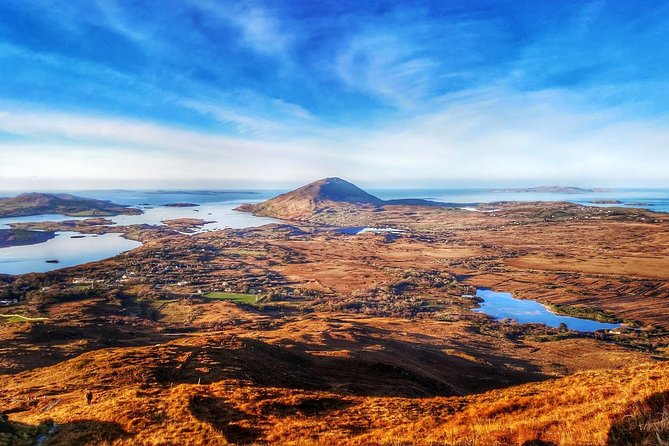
(304, 202)
(321, 196)
(35, 203)
(331, 189)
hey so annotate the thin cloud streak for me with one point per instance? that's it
(496, 137)
(447, 93)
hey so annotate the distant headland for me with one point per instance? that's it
(36, 203)
(554, 190)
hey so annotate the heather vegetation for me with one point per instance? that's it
(299, 333)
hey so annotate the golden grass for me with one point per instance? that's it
(577, 410)
(582, 409)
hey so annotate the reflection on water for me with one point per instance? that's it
(66, 250)
(504, 306)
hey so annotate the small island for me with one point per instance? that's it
(606, 202)
(186, 225)
(203, 192)
(181, 205)
(552, 190)
(36, 203)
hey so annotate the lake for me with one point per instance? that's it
(67, 250)
(504, 306)
(218, 205)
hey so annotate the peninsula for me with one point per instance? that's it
(297, 330)
(36, 203)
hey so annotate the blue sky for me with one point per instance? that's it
(200, 93)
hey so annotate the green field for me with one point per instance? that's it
(9, 318)
(237, 298)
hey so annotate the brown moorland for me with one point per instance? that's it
(301, 334)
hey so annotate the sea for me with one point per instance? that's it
(217, 207)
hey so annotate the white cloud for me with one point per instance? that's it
(104, 150)
(534, 138)
(386, 66)
(254, 114)
(486, 138)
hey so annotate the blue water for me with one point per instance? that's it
(67, 250)
(214, 206)
(504, 306)
(218, 205)
(656, 199)
(357, 230)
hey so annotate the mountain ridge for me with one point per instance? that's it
(320, 196)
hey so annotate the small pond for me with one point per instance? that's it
(356, 230)
(503, 306)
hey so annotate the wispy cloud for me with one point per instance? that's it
(489, 138)
(388, 67)
(253, 114)
(259, 28)
(447, 91)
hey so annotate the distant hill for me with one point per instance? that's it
(331, 189)
(553, 190)
(19, 237)
(316, 197)
(35, 203)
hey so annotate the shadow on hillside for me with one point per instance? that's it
(74, 433)
(644, 423)
(466, 369)
(86, 432)
(538, 442)
(309, 406)
(398, 369)
(234, 424)
(58, 342)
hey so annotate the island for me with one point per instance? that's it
(606, 202)
(36, 203)
(181, 205)
(553, 190)
(267, 334)
(203, 192)
(186, 225)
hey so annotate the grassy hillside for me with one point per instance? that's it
(140, 399)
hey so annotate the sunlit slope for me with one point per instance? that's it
(144, 396)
